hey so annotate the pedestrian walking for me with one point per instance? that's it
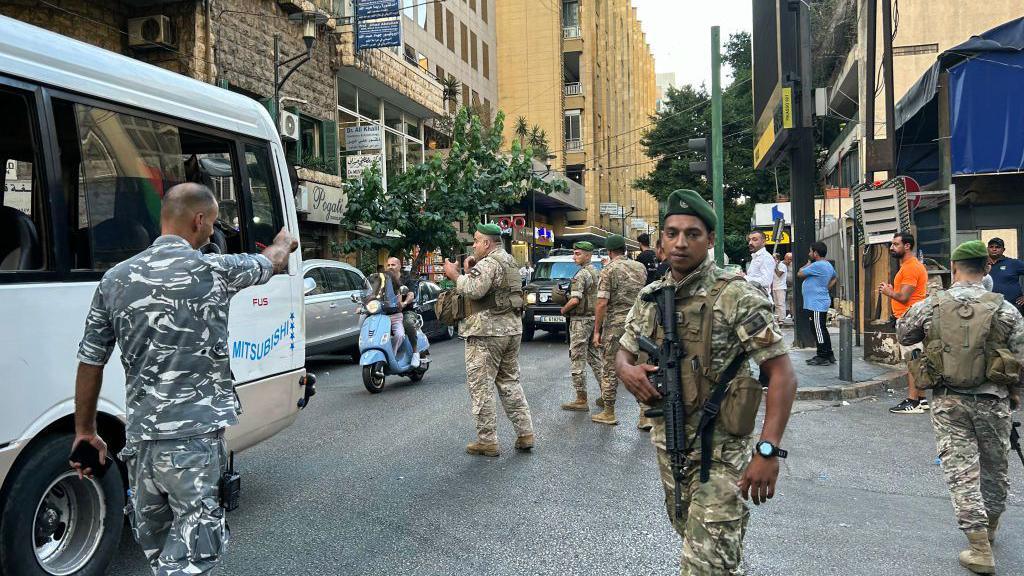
(761, 269)
(493, 330)
(618, 286)
(976, 386)
(780, 285)
(579, 310)
(908, 288)
(712, 515)
(167, 310)
(819, 277)
(1007, 273)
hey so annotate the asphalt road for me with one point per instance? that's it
(380, 485)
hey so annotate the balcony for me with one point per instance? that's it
(573, 89)
(571, 32)
(573, 96)
(572, 39)
(573, 145)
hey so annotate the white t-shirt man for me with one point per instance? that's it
(762, 270)
(779, 288)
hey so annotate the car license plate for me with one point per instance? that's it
(551, 319)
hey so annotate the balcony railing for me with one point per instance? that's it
(570, 32)
(573, 88)
(573, 144)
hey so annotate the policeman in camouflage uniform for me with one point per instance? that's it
(972, 425)
(493, 329)
(617, 288)
(580, 312)
(712, 517)
(167, 310)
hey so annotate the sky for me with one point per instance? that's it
(679, 32)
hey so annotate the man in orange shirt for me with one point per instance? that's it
(909, 287)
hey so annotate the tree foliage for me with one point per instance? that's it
(422, 205)
(688, 115)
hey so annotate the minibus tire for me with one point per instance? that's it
(42, 471)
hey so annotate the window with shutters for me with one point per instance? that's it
(450, 30)
(438, 23)
(465, 42)
(486, 59)
(472, 50)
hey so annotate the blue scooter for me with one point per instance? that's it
(376, 352)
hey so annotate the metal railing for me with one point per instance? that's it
(573, 144)
(573, 88)
(570, 32)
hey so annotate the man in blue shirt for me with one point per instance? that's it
(1006, 273)
(819, 277)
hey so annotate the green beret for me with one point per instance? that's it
(584, 245)
(690, 203)
(970, 250)
(615, 242)
(488, 229)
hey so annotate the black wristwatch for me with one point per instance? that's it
(768, 450)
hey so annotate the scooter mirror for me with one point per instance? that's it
(355, 298)
(308, 285)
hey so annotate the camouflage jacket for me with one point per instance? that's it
(584, 287)
(485, 276)
(914, 326)
(167, 309)
(743, 322)
(620, 282)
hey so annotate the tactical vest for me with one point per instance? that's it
(962, 349)
(507, 297)
(694, 325)
(586, 306)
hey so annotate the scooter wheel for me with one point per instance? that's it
(373, 378)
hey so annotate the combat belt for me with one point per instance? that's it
(739, 412)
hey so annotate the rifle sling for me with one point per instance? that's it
(706, 428)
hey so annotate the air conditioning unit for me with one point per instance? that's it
(289, 125)
(151, 32)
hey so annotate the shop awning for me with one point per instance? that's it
(986, 112)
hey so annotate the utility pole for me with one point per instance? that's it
(716, 144)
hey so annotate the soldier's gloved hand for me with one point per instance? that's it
(636, 381)
(758, 480)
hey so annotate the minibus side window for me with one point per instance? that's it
(267, 215)
(23, 200)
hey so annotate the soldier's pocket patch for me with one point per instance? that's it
(190, 459)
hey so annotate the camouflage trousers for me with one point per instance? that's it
(713, 518)
(493, 362)
(582, 352)
(973, 437)
(174, 507)
(609, 380)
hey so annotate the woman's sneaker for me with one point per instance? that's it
(909, 406)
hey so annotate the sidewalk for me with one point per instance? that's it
(823, 383)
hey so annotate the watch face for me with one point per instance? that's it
(765, 449)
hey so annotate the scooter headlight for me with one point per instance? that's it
(373, 307)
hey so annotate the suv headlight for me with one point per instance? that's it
(531, 298)
(544, 297)
(373, 307)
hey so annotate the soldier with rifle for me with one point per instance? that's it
(698, 327)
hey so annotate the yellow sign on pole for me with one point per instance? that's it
(787, 107)
(769, 237)
(764, 143)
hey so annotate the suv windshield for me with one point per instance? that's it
(558, 270)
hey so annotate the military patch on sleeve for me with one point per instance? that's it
(759, 328)
(475, 272)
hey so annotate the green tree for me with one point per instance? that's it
(422, 205)
(522, 130)
(688, 115)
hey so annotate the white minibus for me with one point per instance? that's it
(89, 141)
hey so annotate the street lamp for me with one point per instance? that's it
(309, 19)
(632, 209)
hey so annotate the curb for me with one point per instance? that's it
(895, 379)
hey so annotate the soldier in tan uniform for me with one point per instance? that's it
(493, 327)
(580, 312)
(720, 323)
(617, 288)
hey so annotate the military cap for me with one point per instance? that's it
(997, 242)
(969, 251)
(488, 229)
(690, 203)
(615, 242)
(584, 245)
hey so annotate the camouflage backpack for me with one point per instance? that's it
(450, 307)
(961, 349)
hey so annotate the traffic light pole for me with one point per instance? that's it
(716, 144)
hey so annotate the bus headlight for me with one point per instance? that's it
(531, 298)
(373, 307)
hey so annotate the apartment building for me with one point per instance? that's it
(583, 72)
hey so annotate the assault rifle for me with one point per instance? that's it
(1015, 440)
(668, 381)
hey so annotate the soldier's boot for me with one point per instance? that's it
(599, 402)
(524, 443)
(644, 423)
(993, 524)
(482, 449)
(607, 416)
(978, 558)
(579, 404)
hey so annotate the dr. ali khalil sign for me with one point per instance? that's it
(323, 203)
(366, 137)
(379, 34)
